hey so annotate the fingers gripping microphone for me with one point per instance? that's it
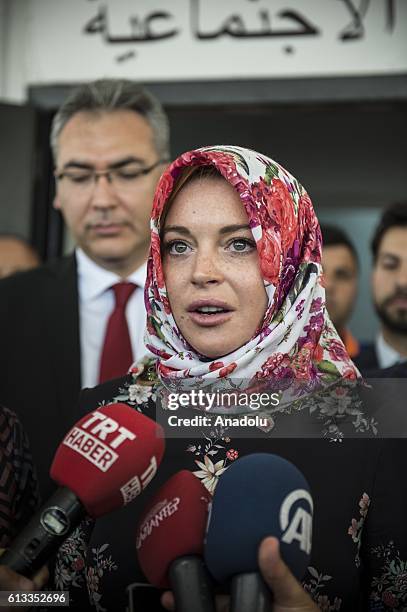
(170, 538)
(258, 496)
(103, 463)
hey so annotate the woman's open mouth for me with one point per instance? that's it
(208, 313)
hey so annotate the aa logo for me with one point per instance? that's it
(297, 527)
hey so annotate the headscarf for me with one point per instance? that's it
(297, 340)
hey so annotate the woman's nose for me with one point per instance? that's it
(206, 269)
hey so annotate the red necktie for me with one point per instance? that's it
(117, 355)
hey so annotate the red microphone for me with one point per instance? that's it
(103, 463)
(170, 542)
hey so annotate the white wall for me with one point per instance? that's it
(15, 49)
(46, 41)
(2, 45)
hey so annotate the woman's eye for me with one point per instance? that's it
(177, 247)
(242, 245)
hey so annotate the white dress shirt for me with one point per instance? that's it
(387, 356)
(96, 303)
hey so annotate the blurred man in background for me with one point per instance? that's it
(80, 320)
(389, 290)
(16, 255)
(341, 272)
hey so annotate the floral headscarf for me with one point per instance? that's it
(297, 341)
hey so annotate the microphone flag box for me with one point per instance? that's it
(172, 526)
(109, 457)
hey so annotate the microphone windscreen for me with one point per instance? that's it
(109, 457)
(172, 526)
(257, 496)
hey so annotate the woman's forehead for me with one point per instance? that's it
(207, 198)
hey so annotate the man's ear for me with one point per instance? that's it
(56, 203)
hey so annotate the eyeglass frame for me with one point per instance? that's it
(96, 174)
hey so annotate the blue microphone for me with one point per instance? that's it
(259, 495)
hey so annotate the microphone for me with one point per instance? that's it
(169, 542)
(259, 495)
(104, 462)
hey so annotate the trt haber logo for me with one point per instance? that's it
(135, 485)
(97, 439)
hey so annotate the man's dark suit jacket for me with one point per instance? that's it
(368, 363)
(366, 359)
(40, 355)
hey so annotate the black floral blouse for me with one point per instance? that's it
(359, 487)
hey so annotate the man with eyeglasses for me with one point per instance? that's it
(80, 320)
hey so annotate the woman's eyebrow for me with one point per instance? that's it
(228, 229)
(176, 228)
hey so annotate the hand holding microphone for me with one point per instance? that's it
(103, 463)
(258, 496)
(288, 593)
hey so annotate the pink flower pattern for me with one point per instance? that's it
(288, 239)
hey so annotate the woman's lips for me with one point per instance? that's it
(209, 319)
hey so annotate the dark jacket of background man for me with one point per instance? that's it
(110, 144)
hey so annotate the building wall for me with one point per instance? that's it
(2, 45)
(279, 94)
(67, 41)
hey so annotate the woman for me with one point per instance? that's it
(234, 299)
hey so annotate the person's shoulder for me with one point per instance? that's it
(398, 370)
(8, 420)
(367, 356)
(135, 388)
(103, 393)
(14, 439)
(38, 276)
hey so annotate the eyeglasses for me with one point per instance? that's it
(124, 176)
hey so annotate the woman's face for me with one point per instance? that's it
(211, 268)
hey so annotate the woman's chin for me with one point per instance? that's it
(214, 353)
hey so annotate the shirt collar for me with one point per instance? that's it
(95, 280)
(386, 354)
